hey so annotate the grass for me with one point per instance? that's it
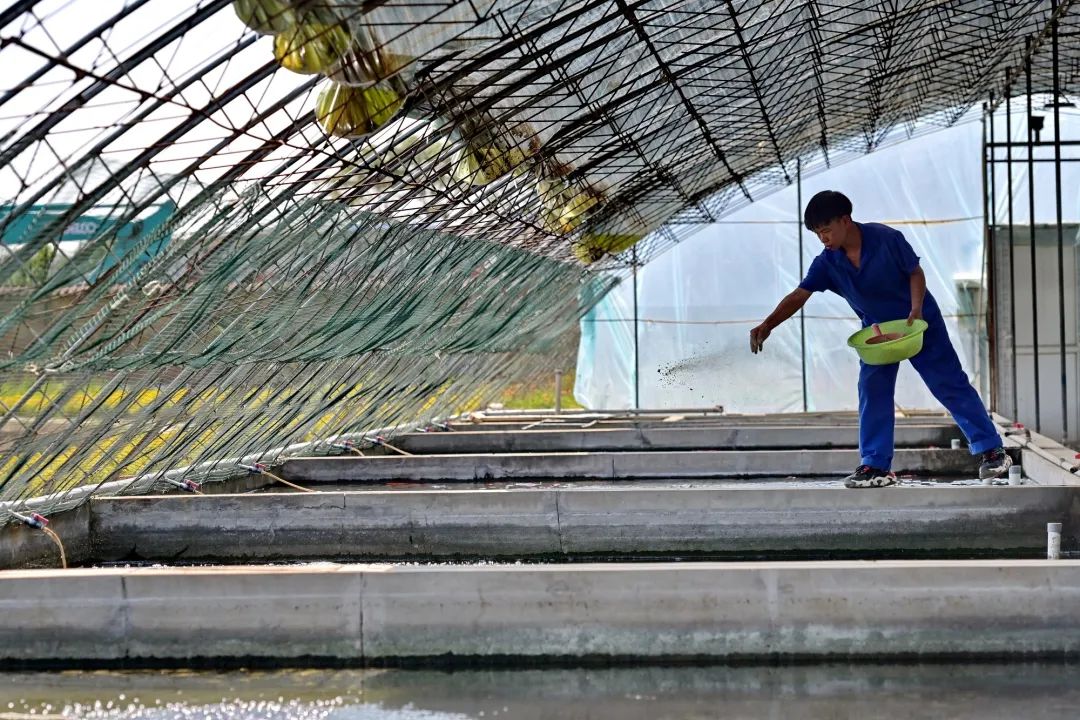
(119, 456)
(540, 395)
(44, 397)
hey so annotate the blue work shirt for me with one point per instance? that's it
(878, 290)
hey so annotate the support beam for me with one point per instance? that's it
(661, 438)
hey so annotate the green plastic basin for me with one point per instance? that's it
(890, 351)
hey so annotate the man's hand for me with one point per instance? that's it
(758, 336)
(787, 307)
(915, 314)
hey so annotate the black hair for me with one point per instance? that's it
(825, 207)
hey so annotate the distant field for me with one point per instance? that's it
(42, 398)
(540, 395)
(130, 452)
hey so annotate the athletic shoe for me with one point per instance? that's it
(868, 477)
(995, 464)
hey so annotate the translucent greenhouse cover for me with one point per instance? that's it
(698, 301)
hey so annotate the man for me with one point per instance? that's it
(874, 268)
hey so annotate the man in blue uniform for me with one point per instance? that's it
(874, 268)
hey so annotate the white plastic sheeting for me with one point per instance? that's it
(698, 302)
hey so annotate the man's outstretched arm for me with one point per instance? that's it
(787, 307)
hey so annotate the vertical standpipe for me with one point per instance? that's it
(1053, 541)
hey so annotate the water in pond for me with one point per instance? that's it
(984, 692)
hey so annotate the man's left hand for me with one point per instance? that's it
(915, 314)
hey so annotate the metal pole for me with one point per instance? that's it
(1031, 228)
(1050, 143)
(637, 384)
(988, 204)
(1050, 159)
(1012, 255)
(558, 391)
(802, 311)
(1060, 240)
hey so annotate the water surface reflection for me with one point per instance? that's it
(800, 692)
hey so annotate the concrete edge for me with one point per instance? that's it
(660, 464)
(675, 438)
(22, 546)
(565, 523)
(521, 614)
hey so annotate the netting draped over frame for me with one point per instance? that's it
(228, 227)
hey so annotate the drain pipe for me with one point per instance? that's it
(1017, 433)
(1053, 541)
(1029, 446)
(40, 522)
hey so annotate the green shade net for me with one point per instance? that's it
(319, 324)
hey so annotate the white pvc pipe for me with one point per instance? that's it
(1053, 541)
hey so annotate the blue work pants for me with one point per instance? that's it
(940, 369)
